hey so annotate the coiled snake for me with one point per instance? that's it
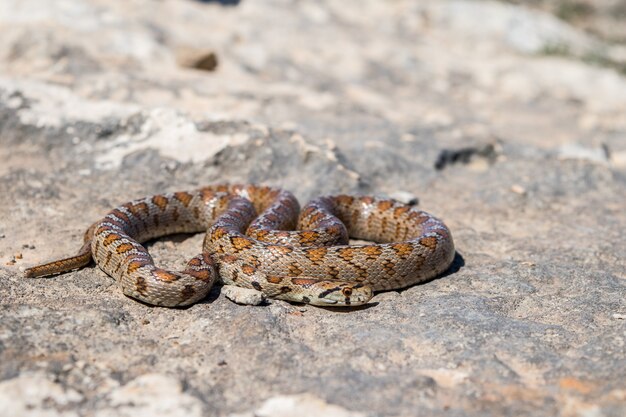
(313, 265)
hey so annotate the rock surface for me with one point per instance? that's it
(521, 151)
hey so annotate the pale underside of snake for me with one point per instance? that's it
(251, 242)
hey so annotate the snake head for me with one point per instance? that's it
(333, 293)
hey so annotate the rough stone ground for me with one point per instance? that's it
(103, 101)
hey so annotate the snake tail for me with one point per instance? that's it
(82, 259)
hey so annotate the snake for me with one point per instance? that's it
(257, 237)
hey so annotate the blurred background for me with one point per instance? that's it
(507, 119)
(372, 77)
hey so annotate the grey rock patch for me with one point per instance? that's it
(245, 296)
(150, 395)
(36, 395)
(574, 151)
(527, 31)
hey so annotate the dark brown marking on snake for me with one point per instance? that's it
(283, 250)
(274, 279)
(175, 214)
(241, 243)
(308, 236)
(389, 267)
(285, 289)
(206, 194)
(187, 292)
(271, 217)
(307, 211)
(422, 219)
(259, 234)
(155, 220)
(96, 246)
(138, 209)
(196, 212)
(360, 270)
(430, 242)
(306, 299)
(124, 247)
(160, 201)
(202, 274)
(294, 270)
(121, 215)
(354, 218)
(135, 265)
(195, 262)
(164, 275)
(334, 229)
(333, 272)
(315, 255)
(248, 269)
(115, 224)
(399, 211)
(443, 233)
(108, 259)
(229, 259)
(305, 282)
(347, 254)
(403, 250)
(222, 188)
(207, 259)
(372, 252)
(184, 197)
(101, 229)
(218, 233)
(256, 286)
(383, 225)
(255, 261)
(344, 199)
(414, 214)
(110, 239)
(316, 218)
(141, 286)
(323, 294)
(384, 205)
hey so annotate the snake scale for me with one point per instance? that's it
(251, 242)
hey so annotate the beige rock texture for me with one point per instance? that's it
(506, 120)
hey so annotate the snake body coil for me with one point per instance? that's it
(261, 251)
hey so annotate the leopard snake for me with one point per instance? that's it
(250, 242)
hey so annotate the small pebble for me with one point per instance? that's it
(577, 151)
(243, 296)
(405, 197)
(518, 189)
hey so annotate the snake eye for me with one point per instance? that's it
(347, 292)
